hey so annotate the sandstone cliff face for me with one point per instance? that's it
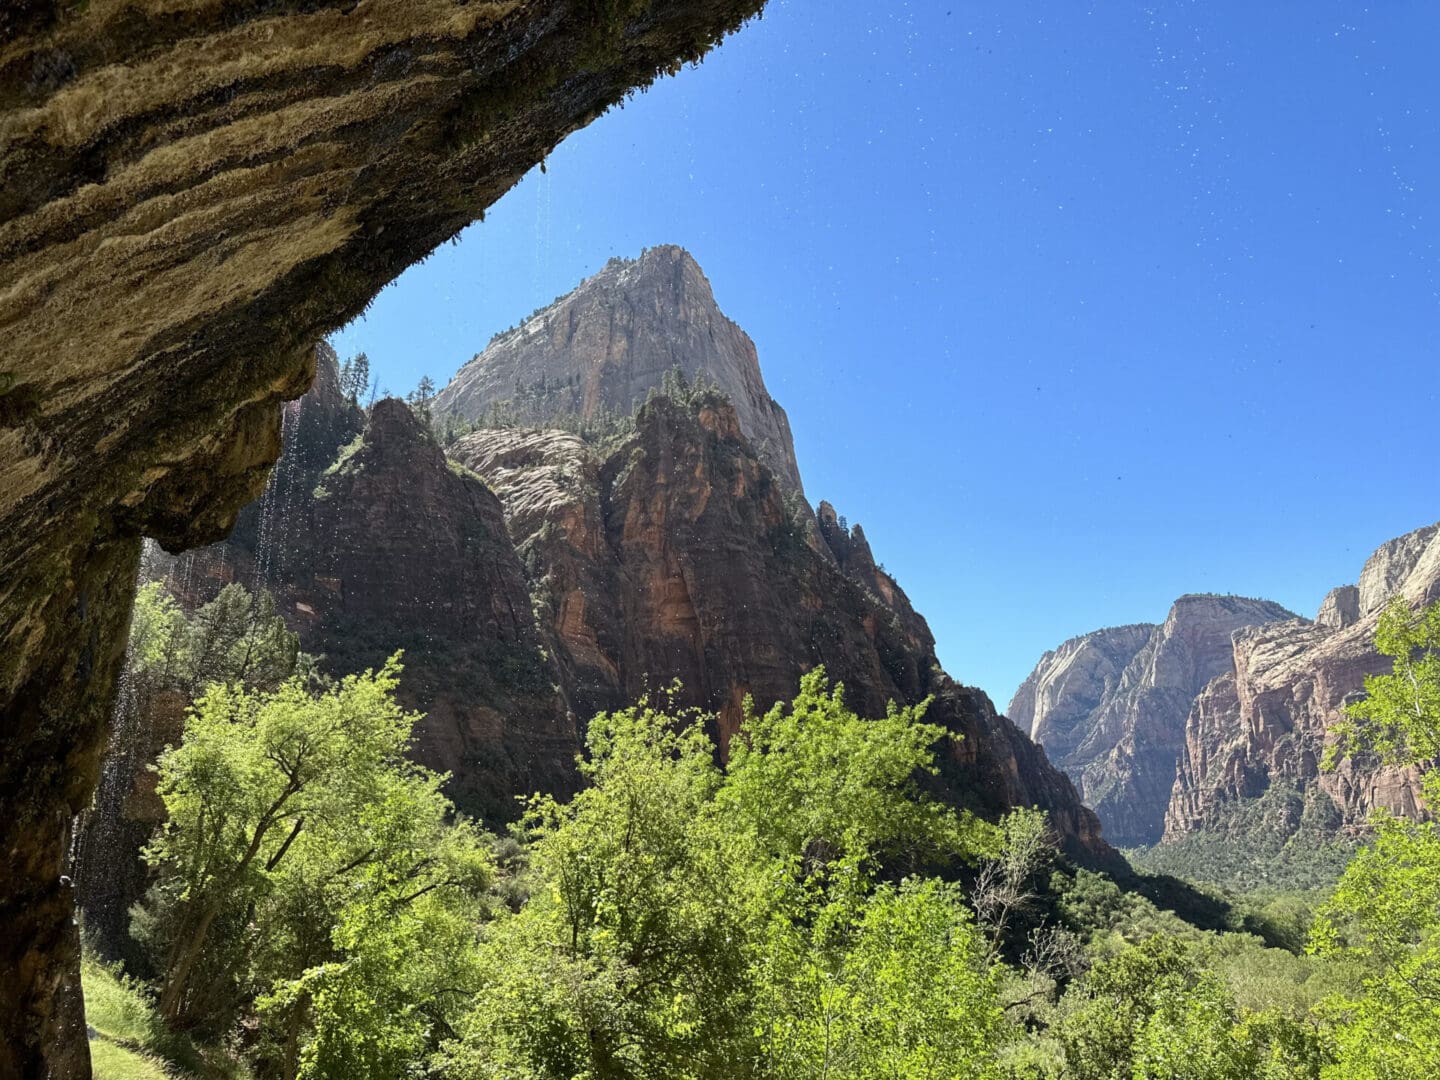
(1267, 722)
(1407, 566)
(672, 552)
(406, 551)
(382, 544)
(1055, 702)
(1122, 751)
(1340, 608)
(187, 203)
(603, 347)
(676, 554)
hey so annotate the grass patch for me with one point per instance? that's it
(111, 1061)
(115, 1009)
(128, 1042)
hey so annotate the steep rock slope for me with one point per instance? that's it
(190, 196)
(676, 554)
(1122, 751)
(1056, 700)
(1265, 724)
(382, 544)
(600, 349)
(670, 552)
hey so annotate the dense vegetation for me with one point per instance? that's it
(1287, 839)
(804, 911)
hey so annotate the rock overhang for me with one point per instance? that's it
(189, 200)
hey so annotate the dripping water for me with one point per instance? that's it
(105, 838)
(101, 858)
(278, 504)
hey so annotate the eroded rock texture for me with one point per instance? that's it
(1119, 736)
(676, 554)
(190, 196)
(1267, 721)
(378, 543)
(601, 348)
(599, 569)
(1056, 700)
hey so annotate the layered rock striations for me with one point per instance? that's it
(598, 569)
(1056, 701)
(188, 201)
(1264, 726)
(1120, 736)
(601, 349)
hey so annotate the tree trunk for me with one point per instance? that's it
(177, 974)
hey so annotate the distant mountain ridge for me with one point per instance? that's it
(1110, 706)
(1182, 729)
(1263, 727)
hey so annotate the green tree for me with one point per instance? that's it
(238, 637)
(1399, 717)
(420, 398)
(896, 983)
(689, 922)
(811, 781)
(307, 861)
(1153, 1012)
(854, 978)
(1385, 913)
(628, 960)
(355, 377)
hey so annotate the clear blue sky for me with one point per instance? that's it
(1076, 307)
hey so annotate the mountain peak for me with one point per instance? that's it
(599, 350)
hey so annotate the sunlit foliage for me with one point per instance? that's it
(1385, 914)
(308, 865)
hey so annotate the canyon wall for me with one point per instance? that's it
(1118, 730)
(1266, 723)
(537, 577)
(1183, 729)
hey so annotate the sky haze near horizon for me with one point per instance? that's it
(1076, 308)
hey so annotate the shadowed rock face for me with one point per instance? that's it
(399, 549)
(381, 544)
(1122, 749)
(1268, 720)
(603, 347)
(675, 553)
(669, 553)
(189, 199)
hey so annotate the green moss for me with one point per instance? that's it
(462, 471)
(348, 451)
